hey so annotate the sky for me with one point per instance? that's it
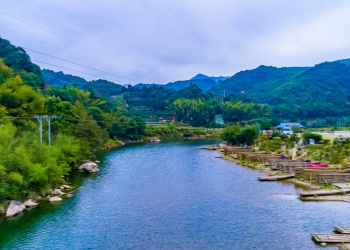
(154, 41)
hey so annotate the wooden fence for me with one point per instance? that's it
(324, 178)
(311, 174)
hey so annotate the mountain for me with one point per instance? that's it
(345, 61)
(146, 85)
(102, 87)
(218, 79)
(202, 81)
(319, 91)
(203, 84)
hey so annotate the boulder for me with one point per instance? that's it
(30, 203)
(14, 208)
(69, 195)
(67, 186)
(90, 167)
(55, 198)
(58, 192)
(21, 207)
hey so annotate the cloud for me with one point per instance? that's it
(162, 41)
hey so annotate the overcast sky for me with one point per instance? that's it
(160, 41)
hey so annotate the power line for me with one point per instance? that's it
(51, 45)
(79, 64)
(75, 70)
(66, 119)
(62, 37)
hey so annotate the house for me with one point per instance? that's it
(286, 128)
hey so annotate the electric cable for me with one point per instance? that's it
(52, 45)
(77, 71)
(79, 64)
(62, 37)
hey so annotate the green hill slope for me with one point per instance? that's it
(17, 59)
(320, 91)
(102, 87)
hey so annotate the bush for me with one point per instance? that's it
(237, 134)
(308, 135)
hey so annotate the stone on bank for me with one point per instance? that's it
(55, 199)
(30, 203)
(89, 166)
(14, 208)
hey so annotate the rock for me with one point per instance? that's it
(55, 198)
(58, 192)
(14, 208)
(62, 187)
(90, 167)
(67, 186)
(21, 207)
(30, 203)
(49, 196)
(69, 195)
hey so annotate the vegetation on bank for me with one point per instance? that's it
(83, 121)
(172, 132)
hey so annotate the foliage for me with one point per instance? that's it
(27, 167)
(236, 134)
(308, 135)
(269, 144)
(241, 111)
(198, 112)
(17, 59)
(295, 93)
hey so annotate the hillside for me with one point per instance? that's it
(106, 88)
(102, 87)
(319, 91)
(19, 61)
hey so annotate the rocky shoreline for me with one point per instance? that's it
(15, 207)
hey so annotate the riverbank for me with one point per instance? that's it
(298, 183)
(62, 193)
(194, 200)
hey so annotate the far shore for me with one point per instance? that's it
(304, 185)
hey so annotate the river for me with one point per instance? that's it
(174, 196)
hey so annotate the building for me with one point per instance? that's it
(286, 128)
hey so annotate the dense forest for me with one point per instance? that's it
(295, 93)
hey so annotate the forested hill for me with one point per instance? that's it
(59, 80)
(106, 88)
(319, 91)
(19, 61)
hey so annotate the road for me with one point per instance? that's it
(345, 134)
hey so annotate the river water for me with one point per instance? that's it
(174, 196)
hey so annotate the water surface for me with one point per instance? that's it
(174, 196)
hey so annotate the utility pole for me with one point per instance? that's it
(49, 119)
(40, 120)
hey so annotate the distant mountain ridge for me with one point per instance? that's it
(59, 79)
(345, 61)
(218, 79)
